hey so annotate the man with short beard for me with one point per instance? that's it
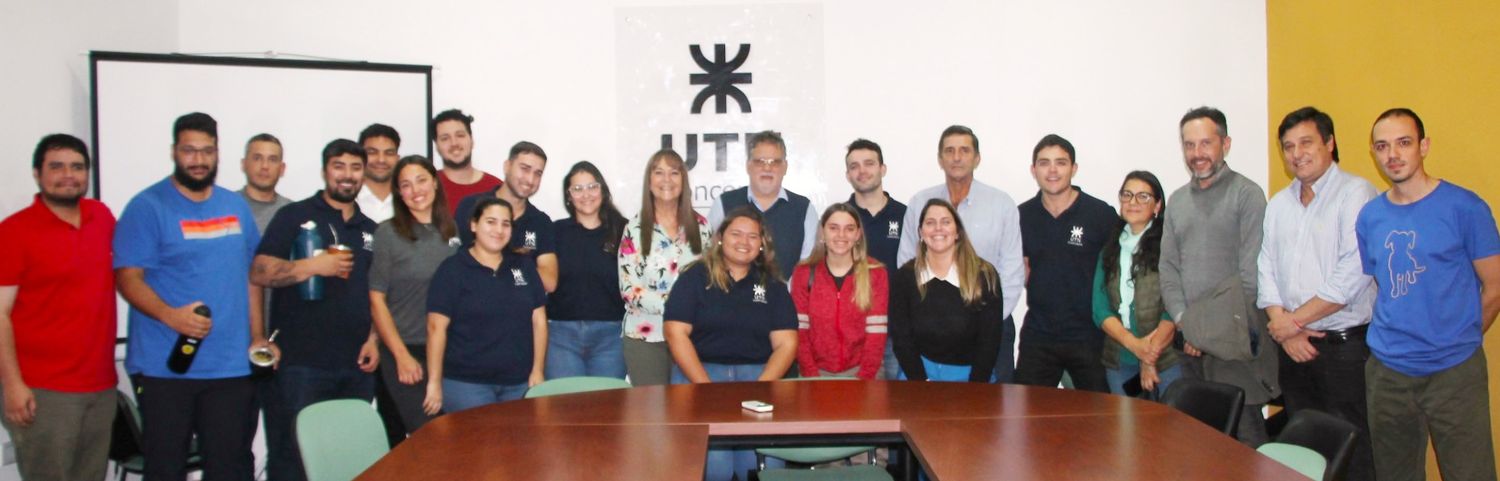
(382, 150)
(57, 320)
(263, 166)
(180, 244)
(328, 346)
(455, 144)
(1209, 277)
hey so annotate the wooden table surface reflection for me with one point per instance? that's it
(958, 431)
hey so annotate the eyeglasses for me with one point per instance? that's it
(770, 161)
(581, 188)
(1139, 197)
(186, 151)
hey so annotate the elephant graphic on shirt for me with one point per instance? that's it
(1403, 265)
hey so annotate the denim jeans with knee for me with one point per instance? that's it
(584, 348)
(724, 464)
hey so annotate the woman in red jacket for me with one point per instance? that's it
(840, 293)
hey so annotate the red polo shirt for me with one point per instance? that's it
(63, 319)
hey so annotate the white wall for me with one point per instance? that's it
(1114, 77)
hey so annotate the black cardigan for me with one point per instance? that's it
(943, 329)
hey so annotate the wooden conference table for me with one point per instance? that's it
(956, 431)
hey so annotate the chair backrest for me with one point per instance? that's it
(1325, 433)
(339, 439)
(569, 385)
(125, 434)
(1216, 404)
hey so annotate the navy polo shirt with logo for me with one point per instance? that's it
(731, 327)
(489, 314)
(882, 229)
(1063, 252)
(327, 333)
(532, 232)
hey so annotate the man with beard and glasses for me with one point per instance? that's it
(1210, 278)
(263, 168)
(455, 144)
(57, 320)
(382, 146)
(180, 244)
(328, 345)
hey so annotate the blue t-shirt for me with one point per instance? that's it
(190, 251)
(327, 333)
(731, 327)
(489, 314)
(1427, 309)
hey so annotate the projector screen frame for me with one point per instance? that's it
(96, 56)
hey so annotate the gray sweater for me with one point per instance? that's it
(1210, 234)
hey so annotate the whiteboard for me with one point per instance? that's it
(306, 104)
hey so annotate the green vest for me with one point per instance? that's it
(1146, 311)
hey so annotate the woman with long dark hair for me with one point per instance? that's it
(946, 315)
(731, 319)
(486, 319)
(418, 237)
(584, 331)
(657, 244)
(1127, 294)
(841, 295)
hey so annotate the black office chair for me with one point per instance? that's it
(1216, 404)
(1325, 433)
(125, 441)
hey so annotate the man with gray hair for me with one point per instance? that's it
(1209, 274)
(793, 219)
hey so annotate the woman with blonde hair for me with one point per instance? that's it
(658, 243)
(945, 308)
(841, 295)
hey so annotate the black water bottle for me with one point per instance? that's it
(187, 347)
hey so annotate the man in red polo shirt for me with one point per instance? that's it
(57, 320)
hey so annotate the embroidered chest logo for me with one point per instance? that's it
(369, 241)
(893, 230)
(530, 242)
(1075, 237)
(519, 278)
(453, 242)
(1402, 264)
(760, 294)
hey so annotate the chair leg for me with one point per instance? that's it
(760, 461)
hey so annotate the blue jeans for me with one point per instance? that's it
(296, 387)
(724, 464)
(461, 395)
(1005, 364)
(937, 371)
(890, 368)
(584, 348)
(1117, 378)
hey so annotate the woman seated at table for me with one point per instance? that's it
(492, 303)
(945, 306)
(1127, 294)
(841, 294)
(730, 318)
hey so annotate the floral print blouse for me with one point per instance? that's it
(646, 281)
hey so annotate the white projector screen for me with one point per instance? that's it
(306, 104)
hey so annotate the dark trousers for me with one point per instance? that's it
(1452, 406)
(1043, 364)
(1005, 364)
(400, 405)
(173, 410)
(297, 387)
(1333, 382)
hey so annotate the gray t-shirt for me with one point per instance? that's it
(402, 270)
(263, 211)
